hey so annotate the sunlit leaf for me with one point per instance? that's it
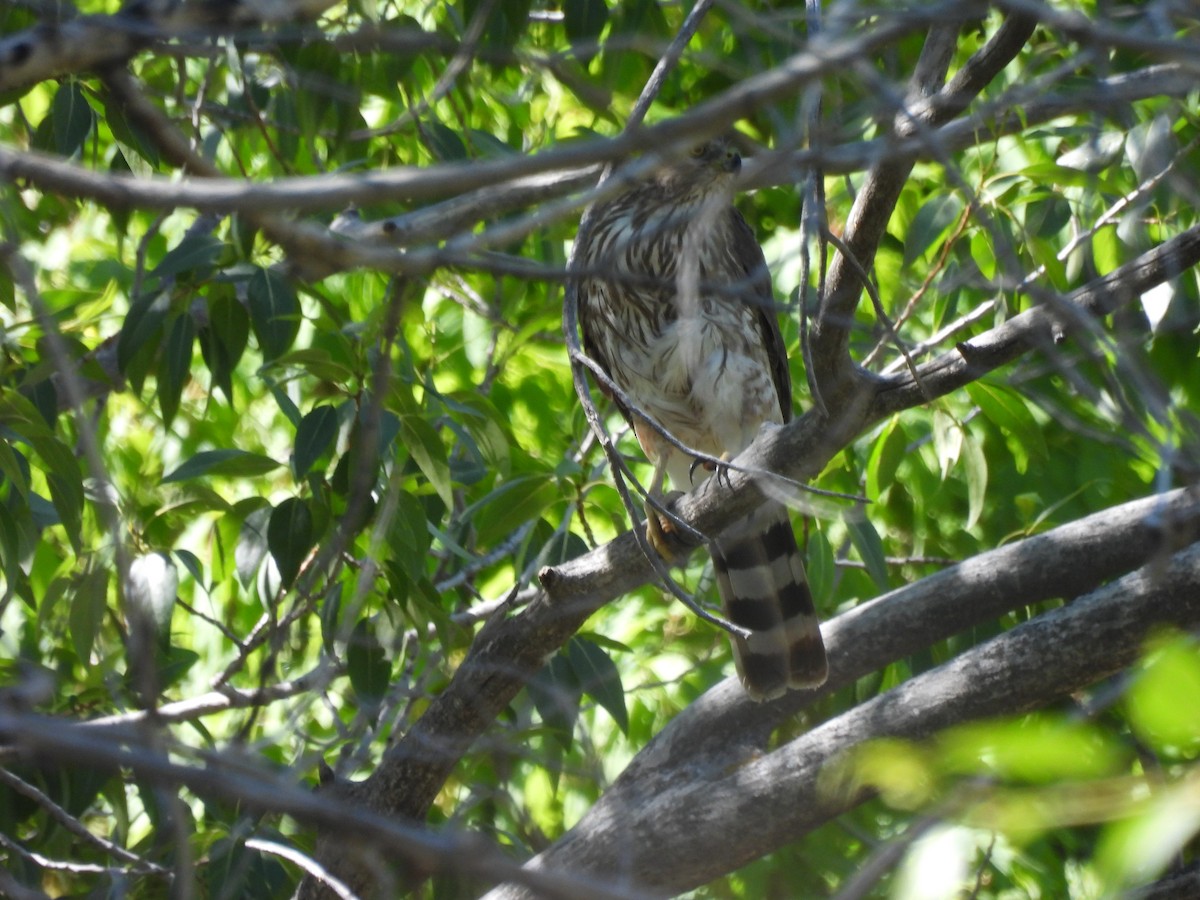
(1161, 699)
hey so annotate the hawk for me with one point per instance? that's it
(676, 306)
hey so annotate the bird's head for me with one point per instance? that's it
(707, 168)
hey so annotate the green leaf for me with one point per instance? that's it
(886, 455)
(444, 143)
(274, 312)
(223, 340)
(10, 552)
(869, 545)
(251, 546)
(128, 133)
(510, 505)
(820, 565)
(427, 450)
(65, 481)
(73, 118)
(8, 291)
(555, 693)
(584, 19)
(194, 255)
(367, 664)
(947, 441)
(175, 365)
(331, 616)
(599, 679)
(930, 224)
(89, 603)
(141, 326)
(1008, 411)
(314, 437)
(289, 537)
(175, 665)
(977, 478)
(1162, 698)
(408, 535)
(228, 463)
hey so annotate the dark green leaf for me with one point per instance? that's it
(89, 603)
(223, 340)
(73, 118)
(315, 436)
(290, 537)
(599, 679)
(274, 312)
(10, 553)
(196, 254)
(227, 463)
(175, 664)
(8, 296)
(444, 143)
(129, 133)
(142, 325)
(1048, 216)
(286, 405)
(932, 221)
(367, 664)
(867, 542)
(820, 565)
(556, 694)
(175, 365)
(584, 19)
(192, 563)
(331, 616)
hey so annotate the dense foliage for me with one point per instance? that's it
(262, 484)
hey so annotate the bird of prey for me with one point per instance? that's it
(676, 306)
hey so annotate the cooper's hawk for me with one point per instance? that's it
(676, 306)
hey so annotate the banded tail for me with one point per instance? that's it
(763, 588)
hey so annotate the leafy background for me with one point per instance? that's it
(318, 488)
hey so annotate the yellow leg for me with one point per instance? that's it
(659, 529)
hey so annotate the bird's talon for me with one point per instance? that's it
(723, 476)
(662, 533)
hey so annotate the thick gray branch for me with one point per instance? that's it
(676, 834)
(508, 651)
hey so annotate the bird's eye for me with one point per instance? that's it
(698, 151)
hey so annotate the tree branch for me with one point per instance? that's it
(872, 209)
(1042, 327)
(509, 651)
(659, 842)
